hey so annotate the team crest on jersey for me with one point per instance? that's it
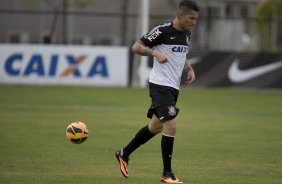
(171, 110)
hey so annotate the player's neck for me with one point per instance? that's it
(176, 25)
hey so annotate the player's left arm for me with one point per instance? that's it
(190, 72)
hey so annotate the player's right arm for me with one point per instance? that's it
(140, 49)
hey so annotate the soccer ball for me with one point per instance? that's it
(77, 132)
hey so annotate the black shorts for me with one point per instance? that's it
(164, 99)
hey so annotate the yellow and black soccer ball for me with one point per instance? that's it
(77, 132)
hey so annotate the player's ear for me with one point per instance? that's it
(179, 14)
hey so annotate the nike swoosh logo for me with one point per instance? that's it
(172, 38)
(236, 75)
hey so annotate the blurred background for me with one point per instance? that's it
(63, 61)
(232, 39)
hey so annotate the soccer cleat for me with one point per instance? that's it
(170, 178)
(123, 163)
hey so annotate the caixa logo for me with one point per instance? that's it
(180, 49)
(15, 66)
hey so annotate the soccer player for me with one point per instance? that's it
(168, 44)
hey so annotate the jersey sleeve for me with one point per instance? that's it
(153, 38)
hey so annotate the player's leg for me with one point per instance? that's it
(169, 131)
(167, 144)
(155, 125)
(142, 136)
(169, 127)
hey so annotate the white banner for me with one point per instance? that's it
(68, 65)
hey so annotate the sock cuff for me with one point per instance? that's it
(166, 135)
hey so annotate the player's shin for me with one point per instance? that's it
(142, 136)
(167, 149)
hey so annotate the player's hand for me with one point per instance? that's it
(159, 57)
(190, 76)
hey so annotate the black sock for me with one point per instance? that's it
(140, 138)
(167, 148)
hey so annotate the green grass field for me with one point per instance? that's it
(224, 136)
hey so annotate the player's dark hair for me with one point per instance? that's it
(189, 4)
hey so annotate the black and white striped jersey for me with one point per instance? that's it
(175, 46)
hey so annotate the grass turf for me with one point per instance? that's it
(224, 136)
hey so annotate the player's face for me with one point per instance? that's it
(188, 20)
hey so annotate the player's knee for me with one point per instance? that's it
(170, 127)
(155, 128)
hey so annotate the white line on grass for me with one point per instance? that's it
(76, 107)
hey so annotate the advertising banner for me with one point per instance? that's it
(63, 65)
(238, 69)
